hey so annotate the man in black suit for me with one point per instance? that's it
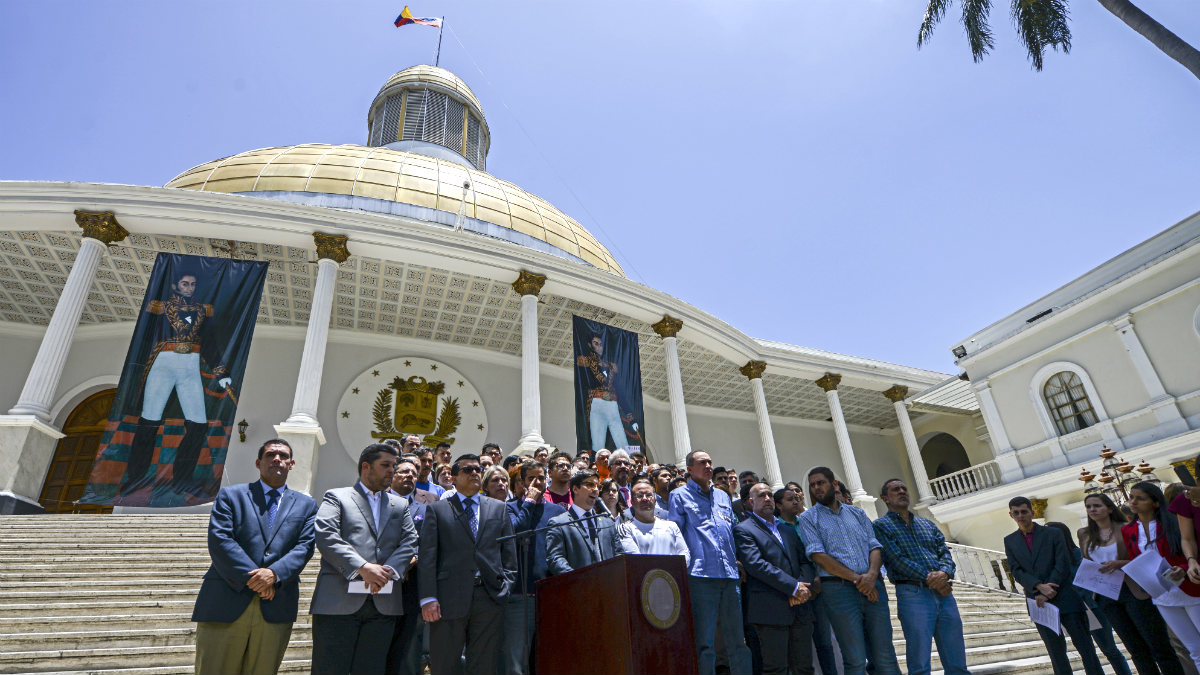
(1040, 562)
(466, 574)
(779, 586)
(260, 536)
(404, 655)
(581, 540)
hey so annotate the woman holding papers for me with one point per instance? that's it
(1102, 636)
(1132, 614)
(1156, 532)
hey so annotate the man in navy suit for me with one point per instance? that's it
(779, 586)
(1041, 563)
(530, 511)
(260, 537)
(404, 656)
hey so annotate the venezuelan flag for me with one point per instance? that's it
(407, 18)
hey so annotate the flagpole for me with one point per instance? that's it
(437, 59)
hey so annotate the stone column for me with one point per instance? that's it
(528, 285)
(301, 429)
(753, 370)
(896, 395)
(667, 329)
(99, 230)
(829, 382)
(1166, 410)
(27, 440)
(1006, 457)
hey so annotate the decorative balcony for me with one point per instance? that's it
(970, 479)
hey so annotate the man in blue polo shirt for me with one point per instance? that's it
(705, 517)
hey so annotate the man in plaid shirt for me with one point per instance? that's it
(919, 564)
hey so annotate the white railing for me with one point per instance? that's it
(971, 479)
(982, 568)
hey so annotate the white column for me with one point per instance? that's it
(1006, 458)
(301, 429)
(667, 329)
(528, 285)
(1166, 411)
(99, 230)
(896, 395)
(829, 383)
(316, 337)
(753, 371)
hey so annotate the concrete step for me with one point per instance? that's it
(288, 666)
(114, 638)
(56, 660)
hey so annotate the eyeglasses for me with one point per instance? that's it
(591, 485)
(470, 468)
(560, 465)
(621, 462)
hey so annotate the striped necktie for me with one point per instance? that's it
(272, 508)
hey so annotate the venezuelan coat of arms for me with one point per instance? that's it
(411, 395)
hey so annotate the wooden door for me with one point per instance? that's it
(74, 456)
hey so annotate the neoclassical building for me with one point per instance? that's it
(399, 263)
(402, 264)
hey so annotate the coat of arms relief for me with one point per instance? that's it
(415, 411)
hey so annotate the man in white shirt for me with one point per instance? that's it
(646, 533)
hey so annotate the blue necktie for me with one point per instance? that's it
(469, 504)
(272, 508)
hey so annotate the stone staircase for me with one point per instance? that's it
(113, 594)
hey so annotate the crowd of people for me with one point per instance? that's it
(1161, 632)
(419, 566)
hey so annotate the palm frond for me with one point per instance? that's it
(1041, 24)
(933, 14)
(975, 23)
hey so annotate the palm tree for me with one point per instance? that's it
(1043, 24)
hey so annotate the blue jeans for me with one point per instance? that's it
(712, 598)
(822, 640)
(860, 625)
(927, 616)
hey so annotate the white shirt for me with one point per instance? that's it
(661, 537)
(579, 513)
(373, 501)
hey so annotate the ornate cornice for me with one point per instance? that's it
(528, 283)
(101, 225)
(753, 370)
(332, 246)
(829, 382)
(897, 393)
(667, 327)
(1039, 507)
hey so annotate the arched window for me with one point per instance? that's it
(1068, 402)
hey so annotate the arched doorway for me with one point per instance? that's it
(943, 454)
(74, 456)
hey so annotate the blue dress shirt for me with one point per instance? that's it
(706, 521)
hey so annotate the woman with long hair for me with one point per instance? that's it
(495, 483)
(1132, 614)
(610, 498)
(1156, 527)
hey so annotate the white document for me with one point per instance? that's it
(1090, 577)
(360, 586)
(1146, 570)
(1047, 616)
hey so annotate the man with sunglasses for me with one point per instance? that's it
(559, 473)
(465, 574)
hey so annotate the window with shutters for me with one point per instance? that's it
(474, 152)
(455, 116)
(414, 115)
(391, 118)
(1068, 402)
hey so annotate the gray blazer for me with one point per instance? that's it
(450, 556)
(347, 538)
(569, 547)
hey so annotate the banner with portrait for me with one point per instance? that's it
(169, 427)
(608, 388)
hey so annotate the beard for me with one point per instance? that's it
(826, 499)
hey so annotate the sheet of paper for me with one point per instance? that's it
(1090, 577)
(360, 586)
(1047, 615)
(1146, 570)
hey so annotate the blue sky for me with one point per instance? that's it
(799, 169)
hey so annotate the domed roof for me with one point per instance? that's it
(396, 176)
(436, 76)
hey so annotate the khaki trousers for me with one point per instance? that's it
(248, 646)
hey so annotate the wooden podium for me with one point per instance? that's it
(627, 615)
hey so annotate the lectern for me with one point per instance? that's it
(630, 614)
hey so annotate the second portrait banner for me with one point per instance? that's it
(608, 388)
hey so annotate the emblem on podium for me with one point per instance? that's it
(661, 600)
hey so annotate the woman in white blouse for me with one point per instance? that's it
(645, 533)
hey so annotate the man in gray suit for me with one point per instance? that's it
(367, 540)
(465, 574)
(581, 540)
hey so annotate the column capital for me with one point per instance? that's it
(829, 382)
(897, 393)
(753, 370)
(667, 327)
(528, 283)
(1039, 507)
(100, 225)
(332, 246)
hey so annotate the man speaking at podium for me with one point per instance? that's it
(576, 542)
